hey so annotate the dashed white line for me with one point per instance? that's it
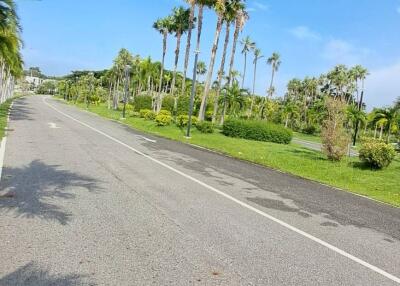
(239, 202)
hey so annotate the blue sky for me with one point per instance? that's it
(311, 35)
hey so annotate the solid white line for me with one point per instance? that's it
(147, 139)
(239, 202)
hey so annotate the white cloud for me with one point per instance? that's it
(258, 6)
(342, 52)
(304, 33)
(382, 86)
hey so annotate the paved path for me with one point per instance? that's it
(86, 201)
(317, 146)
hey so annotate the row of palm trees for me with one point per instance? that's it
(230, 13)
(10, 45)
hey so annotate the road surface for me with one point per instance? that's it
(317, 146)
(87, 201)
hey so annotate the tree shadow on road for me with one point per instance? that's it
(35, 190)
(33, 275)
(20, 111)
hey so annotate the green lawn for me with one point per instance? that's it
(349, 174)
(307, 137)
(4, 107)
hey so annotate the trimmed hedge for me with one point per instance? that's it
(205, 127)
(257, 130)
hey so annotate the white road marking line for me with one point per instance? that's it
(249, 207)
(147, 139)
(53, 125)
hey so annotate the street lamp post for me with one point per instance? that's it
(126, 94)
(196, 59)
(358, 120)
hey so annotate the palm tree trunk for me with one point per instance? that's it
(376, 130)
(159, 101)
(109, 97)
(286, 120)
(254, 87)
(177, 50)
(272, 82)
(232, 61)
(221, 71)
(188, 42)
(381, 132)
(244, 69)
(210, 69)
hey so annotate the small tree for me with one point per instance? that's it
(335, 140)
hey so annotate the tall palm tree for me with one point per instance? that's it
(219, 8)
(238, 8)
(201, 68)
(192, 19)
(10, 45)
(274, 61)
(229, 17)
(248, 45)
(180, 25)
(164, 26)
(257, 57)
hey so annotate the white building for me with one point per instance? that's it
(35, 81)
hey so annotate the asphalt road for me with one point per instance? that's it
(318, 146)
(87, 201)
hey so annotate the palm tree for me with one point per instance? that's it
(192, 19)
(241, 16)
(235, 98)
(274, 61)
(219, 8)
(201, 68)
(257, 56)
(164, 26)
(10, 45)
(248, 45)
(228, 18)
(180, 26)
(388, 117)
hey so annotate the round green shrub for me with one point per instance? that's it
(257, 130)
(205, 127)
(142, 112)
(182, 120)
(377, 154)
(150, 115)
(164, 112)
(163, 120)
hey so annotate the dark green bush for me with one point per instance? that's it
(163, 120)
(257, 130)
(311, 129)
(142, 102)
(377, 154)
(182, 120)
(205, 127)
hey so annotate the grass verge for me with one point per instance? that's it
(348, 174)
(4, 108)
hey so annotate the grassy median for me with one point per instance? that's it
(349, 174)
